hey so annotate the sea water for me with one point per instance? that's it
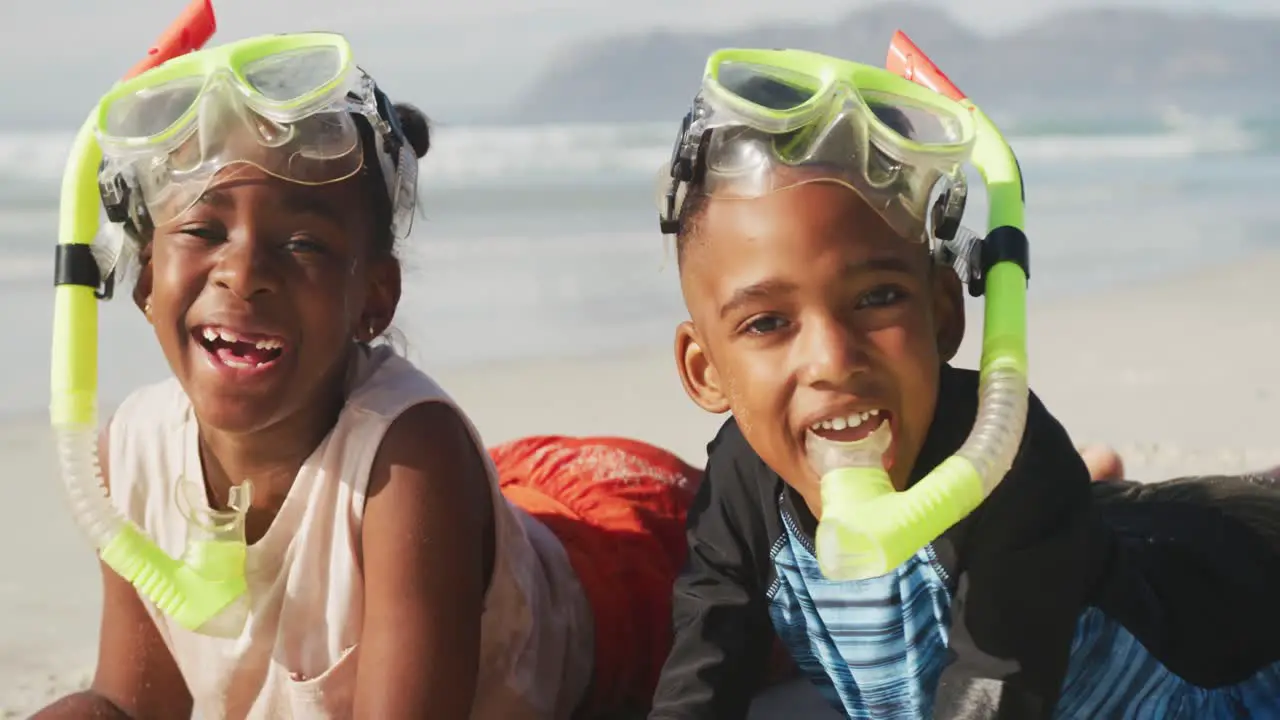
(542, 241)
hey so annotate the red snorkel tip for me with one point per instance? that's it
(188, 33)
(909, 61)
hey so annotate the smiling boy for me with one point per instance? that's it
(818, 307)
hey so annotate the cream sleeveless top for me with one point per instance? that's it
(297, 655)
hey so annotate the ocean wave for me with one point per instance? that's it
(570, 153)
(18, 268)
(495, 262)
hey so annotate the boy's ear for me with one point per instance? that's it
(948, 311)
(697, 373)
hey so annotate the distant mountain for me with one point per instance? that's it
(1078, 65)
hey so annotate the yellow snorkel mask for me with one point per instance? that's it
(294, 106)
(766, 120)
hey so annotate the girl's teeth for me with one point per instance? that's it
(227, 336)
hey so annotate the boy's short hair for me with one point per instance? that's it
(690, 216)
(695, 200)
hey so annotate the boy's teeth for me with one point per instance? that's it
(840, 423)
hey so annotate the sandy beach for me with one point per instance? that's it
(1180, 375)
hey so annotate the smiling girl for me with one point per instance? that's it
(388, 574)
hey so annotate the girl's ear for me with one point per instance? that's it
(142, 288)
(381, 302)
(142, 291)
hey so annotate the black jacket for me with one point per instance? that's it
(1019, 572)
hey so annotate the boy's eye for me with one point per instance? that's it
(882, 297)
(764, 325)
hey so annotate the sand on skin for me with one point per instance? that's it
(1180, 375)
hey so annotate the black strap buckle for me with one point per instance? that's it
(74, 264)
(1001, 244)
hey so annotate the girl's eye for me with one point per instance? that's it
(304, 245)
(764, 325)
(202, 232)
(882, 297)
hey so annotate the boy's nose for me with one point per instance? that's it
(830, 353)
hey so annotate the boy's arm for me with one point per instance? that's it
(722, 633)
(1024, 574)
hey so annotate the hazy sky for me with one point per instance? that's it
(456, 53)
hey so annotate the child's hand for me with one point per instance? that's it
(1103, 461)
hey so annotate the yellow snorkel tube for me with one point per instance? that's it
(867, 528)
(205, 589)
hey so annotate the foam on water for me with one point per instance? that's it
(567, 152)
(542, 241)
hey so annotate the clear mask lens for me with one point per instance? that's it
(291, 114)
(768, 87)
(152, 111)
(772, 128)
(292, 75)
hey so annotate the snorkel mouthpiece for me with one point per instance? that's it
(867, 528)
(852, 474)
(204, 589)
